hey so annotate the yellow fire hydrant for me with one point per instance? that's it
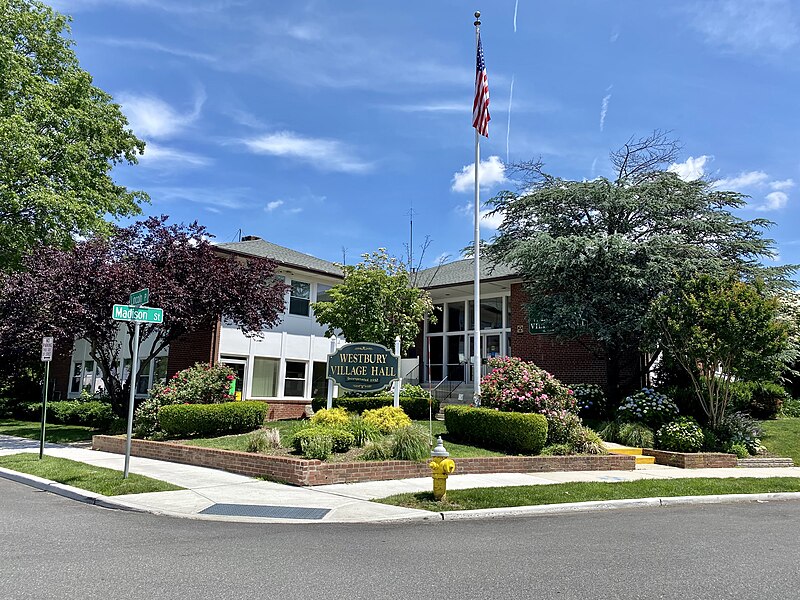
(441, 467)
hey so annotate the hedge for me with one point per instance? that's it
(91, 413)
(521, 433)
(212, 419)
(342, 439)
(414, 407)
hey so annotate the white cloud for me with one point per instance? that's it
(783, 184)
(213, 199)
(747, 26)
(774, 201)
(690, 169)
(149, 45)
(491, 173)
(273, 205)
(156, 155)
(324, 154)
(604, 111)
(491, 222)
(151, 117)
(742, 180)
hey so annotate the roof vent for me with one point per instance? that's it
(250, 238)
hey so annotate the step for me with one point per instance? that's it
(628, 451)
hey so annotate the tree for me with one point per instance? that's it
(720, 329)
(595, 254)
(59, 138)
(375, 303)
(68, 294)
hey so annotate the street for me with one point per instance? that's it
(58, 548)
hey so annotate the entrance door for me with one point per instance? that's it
(490, 348)
(238, 367)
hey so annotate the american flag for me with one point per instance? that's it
(480, 107)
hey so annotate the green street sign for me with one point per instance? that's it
(140, 297)
(143, 314)
(363, 367)
(536, 325)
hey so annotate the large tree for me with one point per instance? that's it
(595, 254)
(60, 136)
(375, 303)
(68, 294)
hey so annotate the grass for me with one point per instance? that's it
(782, 438)
(287, 429)
(57, 434)
(560, 493)
(86, 477)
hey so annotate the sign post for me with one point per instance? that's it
(329, 404)
(399, 379)
(137, 313)
(47, 356)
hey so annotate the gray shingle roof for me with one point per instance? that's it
(283, 256)
(461, 271)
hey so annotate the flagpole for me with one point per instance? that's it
(476, 317)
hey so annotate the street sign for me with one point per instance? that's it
(140, 297)
(142, 314)
(47, 349)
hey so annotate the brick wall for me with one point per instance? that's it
(702, 460)
(287, 410)
(199, 346)
(299, 471)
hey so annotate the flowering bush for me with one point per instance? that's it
(386, 419)
(739, 429)
(680, 435)
(200, 384)
(563, 427)
(517, 386)
(589, 400)
(647, 406)
(335, 417)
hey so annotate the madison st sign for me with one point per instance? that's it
(363, 367)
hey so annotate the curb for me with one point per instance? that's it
(67, 491)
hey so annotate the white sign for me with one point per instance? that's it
(47, 349)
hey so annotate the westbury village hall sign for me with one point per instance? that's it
(363, 367)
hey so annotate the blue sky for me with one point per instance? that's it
(318, 125)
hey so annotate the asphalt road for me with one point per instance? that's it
(52, 547)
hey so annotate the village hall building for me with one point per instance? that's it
(286, 365)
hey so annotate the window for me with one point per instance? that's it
(455, 316)
(265, 377)
(322, 292)
(88, 376)
(300, 298)
(491, 313)
(438, 311)
(75, 387)
(143, 380)
(319, 382)
(295, 382)
(160, 369)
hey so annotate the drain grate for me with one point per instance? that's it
(267, 512)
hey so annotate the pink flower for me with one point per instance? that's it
(230, 378)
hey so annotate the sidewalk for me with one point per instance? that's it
(218, 495)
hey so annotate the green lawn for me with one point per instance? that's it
(782, 438)
(560, 493)
(58, 434)
(86, 477)
(287, 429)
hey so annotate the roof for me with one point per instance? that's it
(462, 271)
(285, 257)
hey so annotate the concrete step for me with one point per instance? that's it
(628, 451)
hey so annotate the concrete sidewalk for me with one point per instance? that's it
(218, 495)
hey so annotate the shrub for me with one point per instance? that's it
(212, 419)
(411, 443)
(563, 427)
(335, 417)
(201, 384)
(590, 400)
(609, 431)
(387, 419)
(341, 439)
(681, 435)
(415, 407)
(317, 447)
(557, 450)
(377, 450)
(740, 450)
(523, 433)
(90, 413)
(647, 406)
(362, 431)
(588, 442)
(635, 435)
(517, 386)
(263, 440)
(739, 428)
(145, 419)
(766, 399)
(791, 408)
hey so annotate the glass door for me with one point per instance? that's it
(490, 348)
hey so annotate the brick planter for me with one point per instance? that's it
(687, 460)
(300, 471)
